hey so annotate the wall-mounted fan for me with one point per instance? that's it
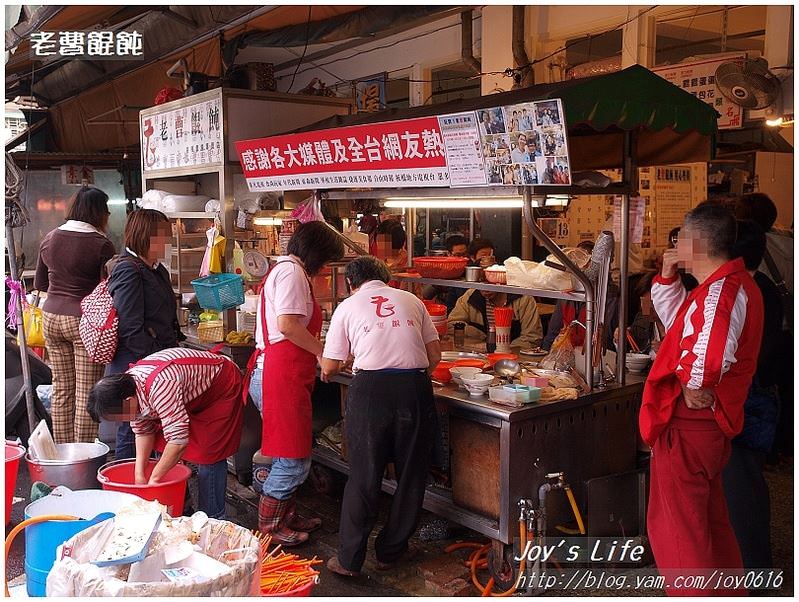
(749, 84)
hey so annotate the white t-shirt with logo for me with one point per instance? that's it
(382, 328)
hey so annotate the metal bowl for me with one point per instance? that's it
(76, 467)
(474, 273)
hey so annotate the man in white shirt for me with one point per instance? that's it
(391, 416)
(519, 154)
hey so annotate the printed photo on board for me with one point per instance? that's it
(519, 154)
(491, 121)
(546, 113)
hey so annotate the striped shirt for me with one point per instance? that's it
(170, 391)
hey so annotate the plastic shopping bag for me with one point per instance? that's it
(33, 324)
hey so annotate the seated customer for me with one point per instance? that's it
(457, 246)
(568, 311)
(479, 249)
(476, 309)
(646, 329)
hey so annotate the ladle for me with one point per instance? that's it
(507, 369)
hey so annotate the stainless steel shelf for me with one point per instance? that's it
(498, 288)
(191, 215)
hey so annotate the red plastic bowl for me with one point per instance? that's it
(442, 373)
(493, 358)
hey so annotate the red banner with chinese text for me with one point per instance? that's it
(393, 154)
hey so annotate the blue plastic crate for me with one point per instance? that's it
(219, 291)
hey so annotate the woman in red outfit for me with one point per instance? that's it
(289, 323)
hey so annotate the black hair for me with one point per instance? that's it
(757, 207)
(455, 240)
(750, 244)
(316, 244)
(365, 268)
(644, 284)
(107, 394)
(89, 205)
(395, 229)
(478, 244)
(716, 224)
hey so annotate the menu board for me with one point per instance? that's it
(462, 147)
(673, 186)
(188, 136)
(525, 144)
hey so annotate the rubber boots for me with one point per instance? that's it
(273, 520)
(297, 522)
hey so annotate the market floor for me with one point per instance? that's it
(431, 572)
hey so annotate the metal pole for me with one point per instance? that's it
(428, 238)
(23, 344)
(590, 297)
(630, 177)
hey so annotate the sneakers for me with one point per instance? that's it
(272, 519)
(297, 522)
(334, 566)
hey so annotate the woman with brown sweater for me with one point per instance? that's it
(71, 260)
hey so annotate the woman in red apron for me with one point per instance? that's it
(185, 404)
(289, 323)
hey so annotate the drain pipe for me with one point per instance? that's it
(520, 58)
(467, 55)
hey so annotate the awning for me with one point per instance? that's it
(672, 125)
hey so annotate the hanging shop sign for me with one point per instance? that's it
(187, 136)
(517, 145)
(407, 153)
(699, 78)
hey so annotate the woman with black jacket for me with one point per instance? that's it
(145, 302)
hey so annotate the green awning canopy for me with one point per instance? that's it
(671, 125)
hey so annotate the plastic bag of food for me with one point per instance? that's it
(561, 355)
(222, 541)
(530, 274)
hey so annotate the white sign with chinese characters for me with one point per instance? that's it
(463, 149)
(699, 78)
(188, 136)
(97, 45)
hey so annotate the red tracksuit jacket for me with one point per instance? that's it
(712, 341)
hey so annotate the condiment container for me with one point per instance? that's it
(474, 273)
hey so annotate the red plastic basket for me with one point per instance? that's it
(440, 267)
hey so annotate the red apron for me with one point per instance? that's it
(215, 417)
(289, 376)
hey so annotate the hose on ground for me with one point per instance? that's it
(20, 527)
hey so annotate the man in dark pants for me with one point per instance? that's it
(745, 488)
(390, 411)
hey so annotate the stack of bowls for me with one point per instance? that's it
(637, 362)
(460, 372)
(478, 384)
(438, 313)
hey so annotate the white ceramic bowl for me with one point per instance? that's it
(459, 372)
(478, 384)
(478, 380)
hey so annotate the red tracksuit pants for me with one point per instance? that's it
(687, 519)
